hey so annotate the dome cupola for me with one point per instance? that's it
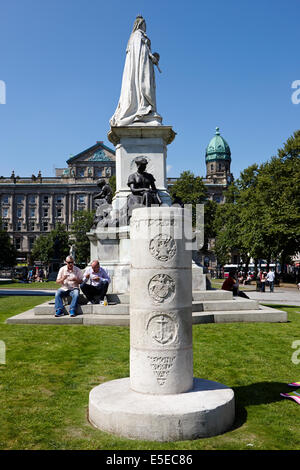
(217, 149)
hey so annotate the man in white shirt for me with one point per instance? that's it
(95, 283)
(271, 278)
(70, 277)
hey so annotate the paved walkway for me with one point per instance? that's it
(23, 292)
(280, 296)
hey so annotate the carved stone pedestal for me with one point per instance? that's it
(111, 246)
(135, 141)
(161, 401)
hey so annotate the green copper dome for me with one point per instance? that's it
(217, 149)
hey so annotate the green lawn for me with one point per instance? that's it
(49, 371)
(28, 285)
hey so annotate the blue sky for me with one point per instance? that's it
(224, 63)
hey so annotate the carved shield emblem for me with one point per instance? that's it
(162, 247)
(161, 288)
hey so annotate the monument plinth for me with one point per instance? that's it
(140, 140)
(161, 401)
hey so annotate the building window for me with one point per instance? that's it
(220, 166)
(5, 225)
(45, 199)
(31, 226)
(81, 172)
(59, 212)
(211, 167)
(45, 212)
(5, 212)
(81, 199)
(31, 199)
(18, 243)
(59, 199)
(4, 199)
(19, 212)
(99, 172)
(32, 212)
(31, 242)
(19, 226)
(45, 226)
(20, 199)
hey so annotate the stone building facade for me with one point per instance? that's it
(31, 206)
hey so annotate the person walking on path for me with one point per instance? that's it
(270, 279)
(98, 279)
(262, 281)
(70, 277)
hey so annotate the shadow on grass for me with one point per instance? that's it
(261, 393)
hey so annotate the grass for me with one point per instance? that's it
(49, 371)
(29, 285)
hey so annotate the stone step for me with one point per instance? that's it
(225, 305)
(118, 309)
(123, 309)
(263, 314)
(212, 295)
(106, 320)
(119, 298)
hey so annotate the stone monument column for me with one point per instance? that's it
(161, 401)
(161, 349)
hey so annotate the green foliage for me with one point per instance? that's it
(210, 212)
(83, 221)
(190, 189)
(8, 253)
(60, 241)
(261, 215)
(52, 245)
(43, 249)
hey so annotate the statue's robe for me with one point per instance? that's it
(138, 92)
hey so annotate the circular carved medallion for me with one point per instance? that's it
(162, 247)
(162, 329)
(161, 288)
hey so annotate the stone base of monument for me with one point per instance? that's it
(207, 410)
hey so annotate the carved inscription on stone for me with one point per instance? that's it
(161, 366)
(162, 247)
(162, 329)
(154, 223)
(161, 288)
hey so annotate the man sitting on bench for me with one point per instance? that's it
(95, 283)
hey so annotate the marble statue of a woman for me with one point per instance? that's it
(137, 103)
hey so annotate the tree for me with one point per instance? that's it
(261, 215)
(83, 221)
(43, 249)
(60, 241)
(190, 189)
(210, 212)
(8, 253)
(227, 219)
(54, 245)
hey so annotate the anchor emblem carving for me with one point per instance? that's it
(162, 329)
